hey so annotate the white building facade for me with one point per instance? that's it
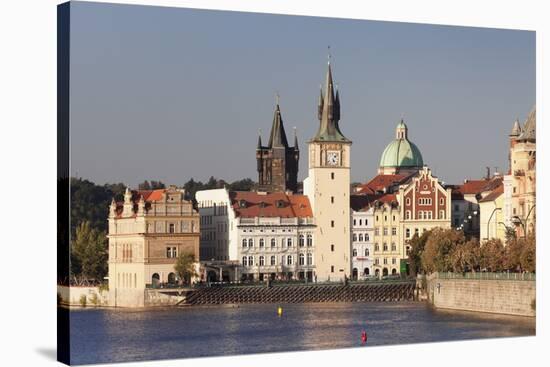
(362, 230)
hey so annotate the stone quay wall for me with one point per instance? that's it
(83, 296)
(494, 294)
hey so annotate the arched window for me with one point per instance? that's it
(301, 259)
(273, 242)
(261, 242)
(289, 260)
(245, 261)
(394, 271)
(244, 242)
(155, 279)
(309, 258)
(367, 237)
(171, 278)
(250, 242)
(361, 237)
(393, 246)
(262, 261)
(250, 261)
(360, 222)
(355, 237)
(367, 252)
(354, 253)
(272, 260)
(408, 214)
(289, 242)
(385, 246)
(302, 241)
(376, 247)
(309, 240)
(366, 271)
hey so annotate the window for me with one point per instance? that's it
(245, 261)
(393, 218)
(171, 228)
(377, 218)
(385, 231)
(376, 231)
(376, 247)
(244, 242)
(262, 261)
(408, 201)
(168, 252)
(394, 261)
(408, 250)
(273, 242)
(174, 252)
(514, 190)
(367, 252)
(332, 248)
(309, 258)
(250, 242)
(366, 222)
(301, 241)
(416, 231)
(377, 261)
(355, 222)
(442, 214)
(393, 246)
(272, 260)
(262, 242)
(302, 259)
(289, 242)
(332, 223)
(394, 231)
(332, 268)
(354, 252)
(354, 237)
(456, 208)
(385, 218)
(385, 246)
(360, 222)
(361, 238)
(332, 175)
(289, 260)
(366, 236)
(385, 261)
(408, 214)
(441, 201)
(332, 199)
(309, 240)
(250, 261)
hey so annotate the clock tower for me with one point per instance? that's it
(328, 188)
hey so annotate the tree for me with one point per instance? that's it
(417, 244)
(185, 266)
(528, 257)
(440, 245)
(242, 185)
(512, 254)
(465, 256)
(89, 253)
(492, 255)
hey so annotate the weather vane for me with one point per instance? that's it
(277, 97)
(329, 54)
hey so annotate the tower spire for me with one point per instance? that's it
(259, 139)
(277, 138)
(295, 139)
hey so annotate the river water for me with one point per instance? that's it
(103, 335)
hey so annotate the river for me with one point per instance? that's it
(116, 335)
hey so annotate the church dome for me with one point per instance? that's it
(401, 152)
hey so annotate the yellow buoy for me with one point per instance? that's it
(279, 311)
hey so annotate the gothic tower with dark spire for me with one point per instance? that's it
(277, 163)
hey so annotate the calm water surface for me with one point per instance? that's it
(101, 336)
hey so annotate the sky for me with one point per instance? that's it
(170, 94)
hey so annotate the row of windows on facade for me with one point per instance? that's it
(425, 214)
(385, 247)
(361, 222)
(360, 238)
(289, 230)
(384, 231)
(178, 227)
(425, 201)
(285, 260)
(385, 261)
(416, 231)
(354, 252)
(302, 241)
(377, 248)
(126, 280)
(219, 208)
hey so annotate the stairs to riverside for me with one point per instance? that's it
(303, 293)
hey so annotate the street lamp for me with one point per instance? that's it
(517, 221)
(489, 221)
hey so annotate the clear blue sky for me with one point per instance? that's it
(170, 93)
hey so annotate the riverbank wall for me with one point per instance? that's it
(82, 296)
(513, 294)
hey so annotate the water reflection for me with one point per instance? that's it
(100, 336)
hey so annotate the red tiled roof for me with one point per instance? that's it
(364, 202)
(150, 195)
(381, 182)
(474, 187)
(493, 195)
(277, 204)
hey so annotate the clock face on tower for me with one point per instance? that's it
(333, 158)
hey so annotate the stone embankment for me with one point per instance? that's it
(511, 294)
(352, 292)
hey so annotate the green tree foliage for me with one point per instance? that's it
(153, 185)
(492, 255)
(439, 247)
(185, 267)
(89, 252)
(528, 258)
(192, 186)
(417, 244)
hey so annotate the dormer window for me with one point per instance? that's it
(242, 203)
(280, 204)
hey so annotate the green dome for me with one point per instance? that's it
(401, 153)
